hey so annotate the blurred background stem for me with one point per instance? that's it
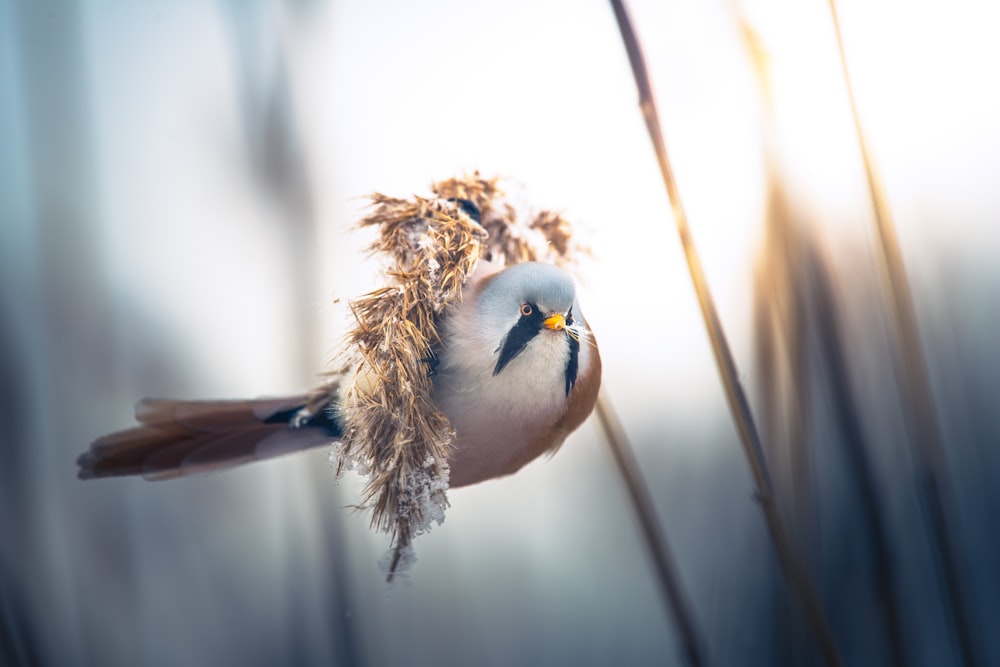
(922, 421)
(791, 563)
(652, 531)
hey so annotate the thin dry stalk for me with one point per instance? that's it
(925, 431)
(803, 292)
(831, 347)
(800, 303)
(656, 538)
(781, 333)
(738, 404)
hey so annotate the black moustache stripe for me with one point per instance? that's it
(573, 365)
(518, 338)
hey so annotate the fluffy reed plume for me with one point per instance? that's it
(393, 432)
(547, 237)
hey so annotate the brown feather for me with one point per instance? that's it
(179, 438)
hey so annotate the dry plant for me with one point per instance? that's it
(925, 431)
(393, 433)
(791, 563)
(796, 318)
(652, 530)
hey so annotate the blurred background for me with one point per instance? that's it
(178, 183)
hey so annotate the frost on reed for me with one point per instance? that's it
(393, 432)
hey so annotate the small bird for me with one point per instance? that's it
(517, 370)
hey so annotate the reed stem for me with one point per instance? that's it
(655, 536)
(925, 432)
(791, 565)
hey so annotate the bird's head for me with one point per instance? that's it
(532, 304)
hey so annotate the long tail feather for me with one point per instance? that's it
(178, 438)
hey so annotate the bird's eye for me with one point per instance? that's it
(569, 318)
(526, 309)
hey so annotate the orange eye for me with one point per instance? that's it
(526, 309)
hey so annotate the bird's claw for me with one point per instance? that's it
(432, 363)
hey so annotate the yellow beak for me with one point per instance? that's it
(555, 322)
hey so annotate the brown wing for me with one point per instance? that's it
(177, 438)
